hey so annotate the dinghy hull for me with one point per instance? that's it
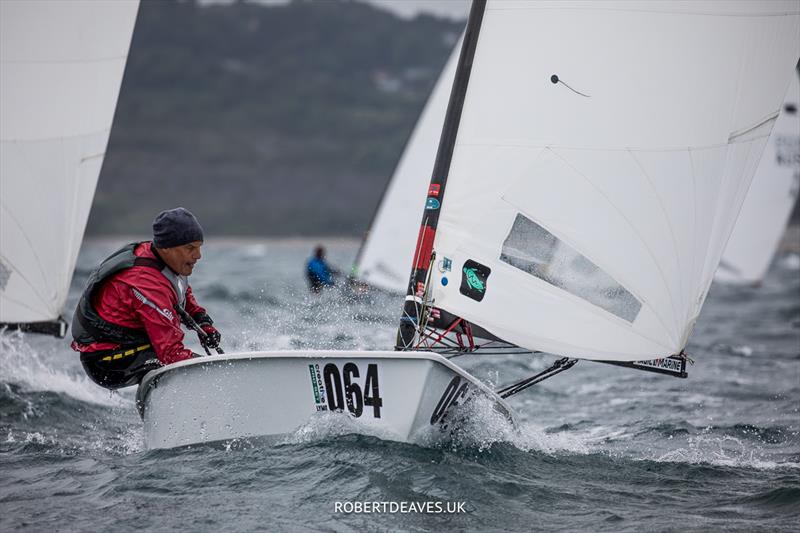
(400, 396)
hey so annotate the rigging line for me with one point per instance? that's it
(430, 331)
(638, 235)
(559, 366)
(555, 80)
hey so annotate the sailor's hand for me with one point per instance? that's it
(212, 336)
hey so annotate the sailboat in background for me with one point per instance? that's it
(388, 247)
(61, 66)
(593, 159)
(770, 201)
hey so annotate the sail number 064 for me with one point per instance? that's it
(343, 389)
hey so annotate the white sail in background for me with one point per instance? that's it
(61, 65)
(602, 218)
(769, 202)
(388, 249)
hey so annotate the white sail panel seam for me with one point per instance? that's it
(35, 255)
(107, 59)
(643, 242)
(734, 136)
(667, 220)
(104, 131)
(690, 304)
(18, 302)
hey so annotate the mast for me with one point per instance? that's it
(441, 169)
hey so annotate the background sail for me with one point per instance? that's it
(388, 249)
(769, 201)
(591, 226)
(61, 65)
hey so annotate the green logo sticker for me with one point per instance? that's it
(473, 281)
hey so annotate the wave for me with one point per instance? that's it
(125, 441)
(781, 498)
(24, 365)
(789, 262)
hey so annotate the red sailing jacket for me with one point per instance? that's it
(116, 303)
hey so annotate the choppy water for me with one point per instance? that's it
(602, 448)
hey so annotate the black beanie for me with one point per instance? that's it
(176, 227)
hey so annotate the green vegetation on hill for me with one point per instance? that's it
(265, 120)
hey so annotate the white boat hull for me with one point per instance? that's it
(398, 395)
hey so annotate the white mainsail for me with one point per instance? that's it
(61, 66)
(769, 202)
(602, 156)
(388, 248)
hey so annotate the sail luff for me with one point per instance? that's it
(441, 169)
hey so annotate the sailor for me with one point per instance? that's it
(318, 272)
(128, 320)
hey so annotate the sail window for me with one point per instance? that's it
(532, 249)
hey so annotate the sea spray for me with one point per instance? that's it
(23, 364)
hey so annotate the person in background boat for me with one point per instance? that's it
(128, 320)
(319, 273)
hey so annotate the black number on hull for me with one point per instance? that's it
(450, 398)
(352, 391)
(333, 387)
(372, 396)
(444, 401)
(353, 396)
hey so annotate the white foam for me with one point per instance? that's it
(790, 262)
(479, 424)
(324, 425)
(22, 364)
(716, 450)
(744, 350)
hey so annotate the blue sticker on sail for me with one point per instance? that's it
(445, 281)
(432, 204)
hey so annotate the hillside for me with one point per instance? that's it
(265, 119)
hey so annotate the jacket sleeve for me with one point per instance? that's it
(154, 304)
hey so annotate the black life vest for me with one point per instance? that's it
(89, 327)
